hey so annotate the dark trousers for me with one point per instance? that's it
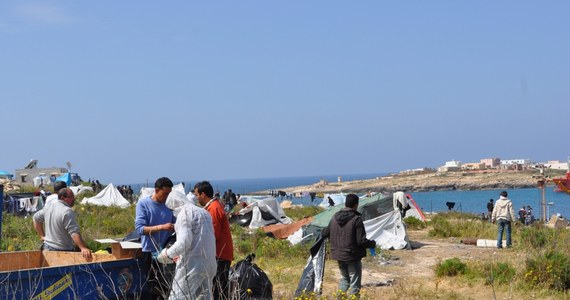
(221, 288)
(158, 278)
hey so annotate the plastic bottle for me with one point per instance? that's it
(372, 251)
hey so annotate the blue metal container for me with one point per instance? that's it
(114, 279)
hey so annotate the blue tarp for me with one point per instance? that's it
(5, 174)
(66, 177)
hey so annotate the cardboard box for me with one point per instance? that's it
(122, 249)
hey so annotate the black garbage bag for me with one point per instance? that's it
(248, 281)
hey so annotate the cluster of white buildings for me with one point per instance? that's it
(501, 164)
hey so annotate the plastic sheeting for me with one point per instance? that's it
(314, 271)
(79, 189)
(262, 208)
(148, 191)
(65, 177)
(388, 231)
(248, 281)
(338, 199)
(176, 200)
(109, 196)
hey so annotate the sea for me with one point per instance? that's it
(473, 201)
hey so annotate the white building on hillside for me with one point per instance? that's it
(452, 165)
(508, 162)
(557, 165)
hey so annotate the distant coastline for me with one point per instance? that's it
(427, 181)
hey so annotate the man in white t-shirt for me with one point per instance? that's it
(58, 185)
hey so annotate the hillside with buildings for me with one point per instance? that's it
(492, 173)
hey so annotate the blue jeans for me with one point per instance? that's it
(503, 224)
(351, 276)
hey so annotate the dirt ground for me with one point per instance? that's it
(410, 273)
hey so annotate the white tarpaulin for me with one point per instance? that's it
(387, 230)
(109, 196)
(148, 191)
(263, 207)
(80, 188)
(337, 199)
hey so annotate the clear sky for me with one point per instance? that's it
(134, 90)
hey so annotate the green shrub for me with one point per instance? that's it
(414, 223)
(536, 237)
(450, 267)
(494, 272)
(464, 226)
(550, 270)
(298, 213)
(442, 228)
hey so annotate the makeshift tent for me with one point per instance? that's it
(249, 199)
(263, 212)
(337, 199)
(314, 271)
(148, 191)
(41, 180)
(109, 196)
(80, 188)
(65, 177)
(383, 223)
(5, 174)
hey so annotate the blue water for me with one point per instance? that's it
(466, 201)
(476, 201)
(246, 186)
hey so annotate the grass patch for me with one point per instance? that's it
(450, 267)
(298, 213)
(461, 225)
(414, 223)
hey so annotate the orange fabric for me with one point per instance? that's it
(283, 231)
(224, 242)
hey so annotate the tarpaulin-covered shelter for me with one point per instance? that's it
(263, 212)
(109, 196)
(65, 177)
(148, 191)
(80, 189)
(382, 219)
(4, 174)
(334, 199)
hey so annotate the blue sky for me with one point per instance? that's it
(134, 90)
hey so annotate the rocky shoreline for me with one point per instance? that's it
(425, 182)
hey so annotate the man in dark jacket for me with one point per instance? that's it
(348, 244)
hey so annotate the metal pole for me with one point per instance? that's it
(544, 216)
(1, 211)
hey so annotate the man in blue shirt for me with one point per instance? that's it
(154, 222)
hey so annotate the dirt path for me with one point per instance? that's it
(410, 273)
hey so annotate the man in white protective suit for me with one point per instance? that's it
(195, 254)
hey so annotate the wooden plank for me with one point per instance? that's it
(61, 258)
(12, 261)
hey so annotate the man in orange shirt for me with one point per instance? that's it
(224, 244)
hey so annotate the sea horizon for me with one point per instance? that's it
(251, 185)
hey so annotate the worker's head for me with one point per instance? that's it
(58, 185)
(204, 192)
(162, 187)
(504, 193)
(67, 196)
(351, 201)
